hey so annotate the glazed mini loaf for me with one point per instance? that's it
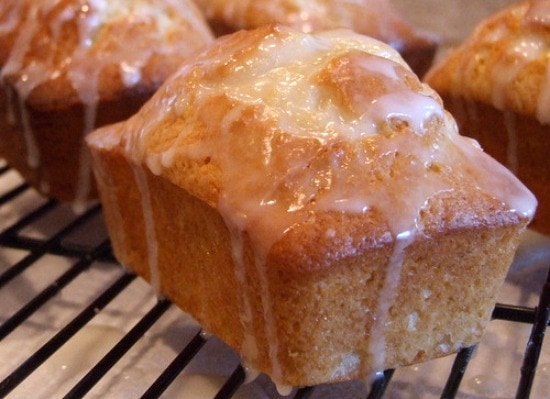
(376, 18)
(69, 66)
(496, 84)
(307, 199)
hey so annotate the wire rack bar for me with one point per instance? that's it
(534, 345)
(118, 351)
(304, 393)
(231, 386)
(380, 384)
(7, 235)
(54, 241)
(48, 349)
(462, 360)
(15, 192)
(519, 314)
(11, 237)
(52, 290)
(175, 368)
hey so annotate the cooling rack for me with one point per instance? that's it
(73, 322)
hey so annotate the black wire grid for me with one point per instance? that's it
(538, 317)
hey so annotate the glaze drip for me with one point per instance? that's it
(149, 228)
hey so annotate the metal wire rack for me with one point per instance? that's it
(68, 239)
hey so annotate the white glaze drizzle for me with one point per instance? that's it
(149, 226)
(84, 182)
(33, 153)
(30, 76)
(495, 179)
(249, 345)
(282, 81)
(269, 318)
(377, 344)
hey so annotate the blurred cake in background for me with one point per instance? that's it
(497, 86)
(70, 65)
(376, 18)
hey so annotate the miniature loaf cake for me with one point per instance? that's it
(307, 199)
(375, 18)
(69, 66)
(497, 86)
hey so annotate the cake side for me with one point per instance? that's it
(324, 278)
(329, 327)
